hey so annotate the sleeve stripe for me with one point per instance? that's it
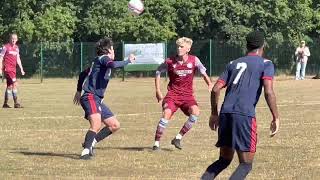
(222, 82)
(267, 77)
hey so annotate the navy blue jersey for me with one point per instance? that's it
(244, 80)
(96, 79)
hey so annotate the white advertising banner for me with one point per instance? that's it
(149, 53)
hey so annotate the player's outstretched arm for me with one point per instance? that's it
(119, 64)
(272, 103)
(215, 94)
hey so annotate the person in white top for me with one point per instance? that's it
(302, 53)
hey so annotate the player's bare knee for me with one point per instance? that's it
(226, 152)
(10, 87)
(245, 157)
(15, 85)
(112, 123)
(167, 114)
(248, 161)
(196, 113)
(194, 110)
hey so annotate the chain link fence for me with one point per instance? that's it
(66, 60)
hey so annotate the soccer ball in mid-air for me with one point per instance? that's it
(136, 7)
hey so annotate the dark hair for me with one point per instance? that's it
(255, 40)
(103, 46)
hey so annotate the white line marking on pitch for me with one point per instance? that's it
(284, 126)
(159, 112)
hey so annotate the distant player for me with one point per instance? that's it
(181, 71)
(10, 57)
(94, 82)
(244, 79)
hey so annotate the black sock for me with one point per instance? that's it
(6, 96)
(242, 171)
(103, 133)
(89, 139)
(215, 168)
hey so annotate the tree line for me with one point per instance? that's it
(226, 21)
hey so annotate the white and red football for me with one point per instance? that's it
(136, 6)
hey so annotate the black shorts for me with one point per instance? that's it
(238, 132)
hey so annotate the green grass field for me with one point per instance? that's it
(43, 140)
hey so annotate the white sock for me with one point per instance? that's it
(85, 152)
(178, 136)
(157, 143)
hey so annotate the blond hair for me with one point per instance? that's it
(184, 40)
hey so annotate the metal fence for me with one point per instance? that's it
(65, 60)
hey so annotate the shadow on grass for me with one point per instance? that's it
(132, 148)
(28, 153)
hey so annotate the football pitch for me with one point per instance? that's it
(43, 140)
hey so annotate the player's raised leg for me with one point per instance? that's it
(111, 126)
(110, 121)
(193, 112)
(92, 107)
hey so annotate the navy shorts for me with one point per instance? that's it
(238, 132)
(92, 104)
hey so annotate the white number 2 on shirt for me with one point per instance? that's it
(242, 66)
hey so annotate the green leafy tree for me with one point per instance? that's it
(55, 23)
(112, 18)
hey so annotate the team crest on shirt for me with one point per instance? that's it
(174, 65)
(189, 65)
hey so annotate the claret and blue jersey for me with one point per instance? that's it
(244, 80)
